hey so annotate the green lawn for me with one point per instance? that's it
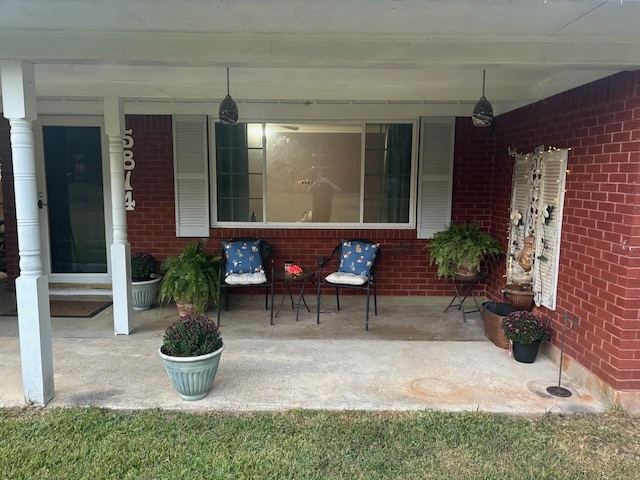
(151, 444)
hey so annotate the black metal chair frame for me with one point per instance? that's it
(369, 285)
(266, 252)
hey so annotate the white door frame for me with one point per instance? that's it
(72, 121)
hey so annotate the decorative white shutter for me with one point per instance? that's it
(435, 174)
(520, 196)
(191, 175)
(548, 229)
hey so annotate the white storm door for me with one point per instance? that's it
(73, 195)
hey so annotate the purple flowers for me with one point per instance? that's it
(524, 327)
(191, 336)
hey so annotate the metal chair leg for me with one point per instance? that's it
(366, 317)
(271, 318)
(338, 297)
(375, 299)
(318, 305)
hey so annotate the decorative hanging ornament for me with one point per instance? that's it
(228, 113)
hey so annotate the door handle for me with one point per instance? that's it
(41, 204)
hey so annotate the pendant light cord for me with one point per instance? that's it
(483, 72)
(228, 82)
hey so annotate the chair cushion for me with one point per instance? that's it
(357, 257)
(245, 278)
(242, 257)
(346, 278)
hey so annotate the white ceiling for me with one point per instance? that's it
(430, 52)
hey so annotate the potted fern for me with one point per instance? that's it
(144, 280)
(461, 248)
(190, 279)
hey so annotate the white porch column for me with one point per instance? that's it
(32, 286)
(120, 249)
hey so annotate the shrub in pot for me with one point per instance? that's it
(191, 350)
(190, 279)
(461, 248)
(144, 280)
(143, 264)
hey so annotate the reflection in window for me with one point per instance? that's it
(387, 178)
(313, 172)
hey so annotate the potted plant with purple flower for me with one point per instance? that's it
(191, 350)
(526, 332)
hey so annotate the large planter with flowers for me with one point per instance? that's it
(526, 332)
(191, 351)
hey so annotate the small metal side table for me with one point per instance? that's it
(289, 280)
(464, 287)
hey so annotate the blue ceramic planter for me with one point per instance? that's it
(192, 377)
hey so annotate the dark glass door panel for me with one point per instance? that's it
(75, 199)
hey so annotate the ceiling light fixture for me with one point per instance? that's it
(483, 111)
(228, 112)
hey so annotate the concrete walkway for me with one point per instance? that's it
(413, 357)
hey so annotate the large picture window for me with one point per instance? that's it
(347, 173)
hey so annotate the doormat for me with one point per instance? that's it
(70, 308)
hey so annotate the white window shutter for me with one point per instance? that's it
(191, 175)
(520, 196)
(435, 174)
(547, 251)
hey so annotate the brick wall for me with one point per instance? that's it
(600, 244)
(404, 269)
(477, 195)
(151, 225)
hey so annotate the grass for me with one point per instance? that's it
(151, 444)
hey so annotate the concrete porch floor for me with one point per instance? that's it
(413, 357)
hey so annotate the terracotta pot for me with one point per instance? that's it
(519, 297)
(464, 270)
(185, 309)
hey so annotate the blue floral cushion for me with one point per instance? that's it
(242, 257)
(357, 257)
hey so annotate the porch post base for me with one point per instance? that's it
(34, 326)
(121, 286)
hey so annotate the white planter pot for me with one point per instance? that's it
(144, 293)
(192, 377)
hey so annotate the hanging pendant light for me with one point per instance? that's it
(483, 111)
(228, 113)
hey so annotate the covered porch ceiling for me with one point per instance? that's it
(425, 52)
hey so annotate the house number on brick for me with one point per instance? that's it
(129, 165)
